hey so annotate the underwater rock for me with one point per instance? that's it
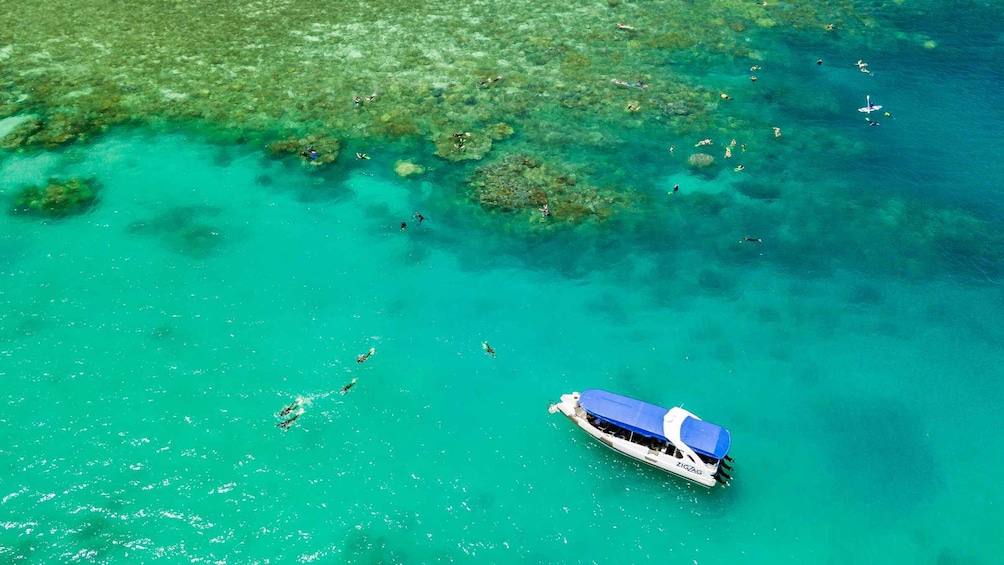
(700, 160)
(58, 198)
(521, 183)
(184, 229)
(500, 131)
(763, 191)
(509, 185)
(407, 169)
(58, 129)
(327, 148)
(21, 134)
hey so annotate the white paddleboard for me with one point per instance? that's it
(870, 107)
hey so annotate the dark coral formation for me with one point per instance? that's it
(510, 185)
(58, 198)
(521, 183)
(59, 129)
(184, 229)
(326, 147)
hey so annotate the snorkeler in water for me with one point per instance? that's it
(287, 423)
(345, 389)
(362, 358)
(290, 408)
(488, 349)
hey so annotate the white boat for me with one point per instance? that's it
(673, 440)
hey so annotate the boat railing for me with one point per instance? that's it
(654, 444)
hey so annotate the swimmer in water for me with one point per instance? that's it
(624, 26)
(419, 217)
(404, 226)
(345, 389)
(753, 239)
(703, 142)
(777, 131)
(488, 349)
(362, 358)
(362, 156)
(290, 408)
(739, 168)
(545, 211)
(286, 424)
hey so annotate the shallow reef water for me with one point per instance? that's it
(231, 202)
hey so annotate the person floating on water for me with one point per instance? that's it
(289, 422)
(703, 142)
(362, 358)
(290, 408)
(752, 239)
(777, 131)
(545, 211)
(672, 148)
(488, 349)
(309, 152)
(404, 226)
(345, 389)
(624, 26)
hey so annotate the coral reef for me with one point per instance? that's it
(407, 169)
(326, 149)
(58, 198)
(522, 183)
(700, 160)
(463, 146)
(183, 229)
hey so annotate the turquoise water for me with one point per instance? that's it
(855, 354)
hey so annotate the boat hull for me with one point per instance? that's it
(686, 465)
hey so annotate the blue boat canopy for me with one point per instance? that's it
(705, 438)
(639, 417)
(708, 439)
